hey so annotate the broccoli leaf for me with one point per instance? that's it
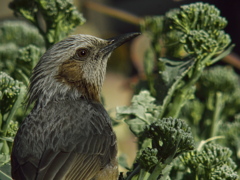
(142, 111)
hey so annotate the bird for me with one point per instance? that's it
(68, 133)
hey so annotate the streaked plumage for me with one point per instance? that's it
(68, 134)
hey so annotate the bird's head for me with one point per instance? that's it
(73, 68)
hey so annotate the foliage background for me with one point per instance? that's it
(181, 44)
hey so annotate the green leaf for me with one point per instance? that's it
(122, 161)
(142, 112)
(172, 80)
(136, 125)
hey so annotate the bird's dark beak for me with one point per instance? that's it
(115, 42)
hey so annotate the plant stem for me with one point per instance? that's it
(168, 98)
(177, 104)
(181, 96)
(208, 140)
(113, 12)
(216, 114)
(25, 78)
(8, 177)
(135, 171)
(157, 171)
(14, 109)
(143, 175)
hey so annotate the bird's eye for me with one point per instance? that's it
(81, 53)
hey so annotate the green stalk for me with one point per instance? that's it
(24, 77)
(196, 177)
(203, 142)
(177, 104)
(222, 55)
(169, 97)
(157, 171)
(1, 119)
(135, 171)
(216, 114)
(180, 98)
(14, 109)
(143, 175)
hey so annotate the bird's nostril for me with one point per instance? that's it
(111, 42)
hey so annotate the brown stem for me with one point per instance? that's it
(113, 12)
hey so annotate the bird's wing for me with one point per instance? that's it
(80, 143)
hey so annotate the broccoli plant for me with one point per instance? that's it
(179, 101)
(21, 47)
(192, 38)
(216, 101)
(12, 93)
(208, 162)
(160, 140)
(60, 17)
(231, 133)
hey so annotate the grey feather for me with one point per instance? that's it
(65, 128)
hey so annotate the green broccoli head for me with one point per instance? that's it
(218, 79)
(170, 137)
(148, 158)
(12, 129)
(20, 33)
(212, 161)
(199, 43)
(196, 16)
(201, 27)
(153, 25)
(27, 59)
(224, 172)
(20, 49)
(8, 54)
(60, 16)
(230, 130)
(9, 91)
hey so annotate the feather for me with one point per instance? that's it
(68, 150)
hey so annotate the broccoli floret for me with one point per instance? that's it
(148, 159)
(12, 129)
(200, 43)
(153, 26)
(9, 90)
(224, 81)
(201, 27)
(231, 133)
(60, 16)
(20, 33)
(218, 79)
(20, 50)
(8, 55)
(210, 162)
(224, 172)
(197, 16)
(170, 137)
(26, 61)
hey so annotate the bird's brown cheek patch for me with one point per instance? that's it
(70, 73)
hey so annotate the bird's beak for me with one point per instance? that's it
(115, 42)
